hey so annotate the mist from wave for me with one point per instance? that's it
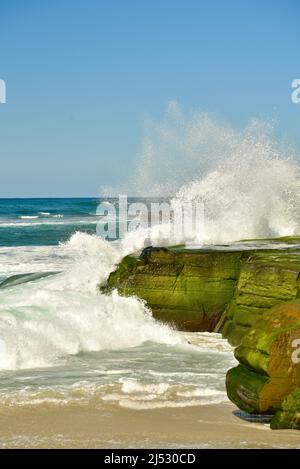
(247, 180)
(249, 184)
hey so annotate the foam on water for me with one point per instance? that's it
(151, 375)
(30, 259)
(66, 314)
(250, 187)
(94, 349)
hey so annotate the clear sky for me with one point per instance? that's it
(81, 74)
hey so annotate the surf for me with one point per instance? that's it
(66, 314)
(248, 180)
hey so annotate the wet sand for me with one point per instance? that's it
(211, 426)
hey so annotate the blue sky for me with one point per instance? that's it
(81, 74)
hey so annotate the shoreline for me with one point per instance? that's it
(209, 426)
(91, 424)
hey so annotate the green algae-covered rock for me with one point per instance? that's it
(288, 416)
(250, 294)
(244, 387)
(200, 290)
(188, 288)
(266, 279)
(269, 367)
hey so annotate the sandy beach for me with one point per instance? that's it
(211, 426)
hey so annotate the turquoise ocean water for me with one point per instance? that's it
(62, 342)
(45, 222)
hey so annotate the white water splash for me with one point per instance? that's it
(250, 187)
(248, 181)
(43, 321)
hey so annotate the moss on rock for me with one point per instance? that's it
(188, 288)
(266, 279)
(266, 356)
(288, 416)
(253, 296)
(199, 290)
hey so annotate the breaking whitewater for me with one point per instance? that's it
(66, 346)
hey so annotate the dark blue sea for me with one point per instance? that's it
(45, 222)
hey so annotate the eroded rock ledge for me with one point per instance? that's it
(210, 290)
(189, 289)
(269, 369)
(251, 296)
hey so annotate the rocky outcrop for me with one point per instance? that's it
(266, 279)
(269, 357)
(187, 288)
(288, 416)
(252, 296)
(205, 290)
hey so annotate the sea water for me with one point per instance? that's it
(62, 341)
(65, 345)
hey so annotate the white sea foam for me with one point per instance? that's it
(32, 224)
(66, 314)
(250, 187)
(138, 395)
(248, 181)
(51, 323)
(42, 214)
(132, 386)
(36, 221)
(31, 259)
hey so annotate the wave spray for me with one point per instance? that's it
(248, 181)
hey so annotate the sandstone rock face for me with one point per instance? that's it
(200, 290)
(288, 416)
(253, 296)
(269, 357)
(266, 279)
(187, 288)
